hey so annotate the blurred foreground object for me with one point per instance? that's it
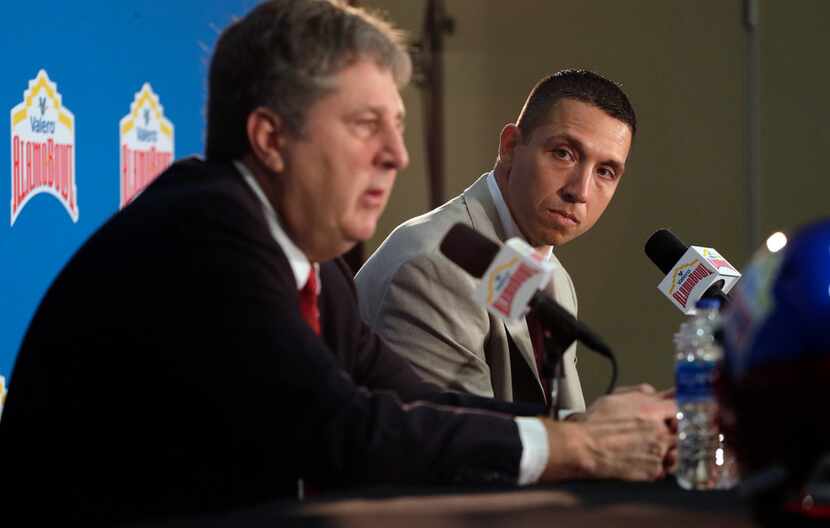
(775, 378)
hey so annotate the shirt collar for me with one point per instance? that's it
(511, 230)
(300, 265)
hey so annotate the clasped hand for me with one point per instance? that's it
(629, 434)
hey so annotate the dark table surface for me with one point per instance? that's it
(577, 504)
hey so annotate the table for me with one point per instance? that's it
(583, 504)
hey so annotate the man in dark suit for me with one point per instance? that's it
(202, 351)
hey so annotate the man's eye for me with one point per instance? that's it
(605, 172)
(561, 153)
(366, 126)
(369, 124)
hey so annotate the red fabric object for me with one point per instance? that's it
(308, 302)
(537, 337)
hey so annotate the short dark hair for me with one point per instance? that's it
(582, 85)
(283, 55)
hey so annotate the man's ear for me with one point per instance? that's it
(510, 136)
(266, 134)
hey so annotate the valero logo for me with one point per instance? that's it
(43, 148)
(146, 139)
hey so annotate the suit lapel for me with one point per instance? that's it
(517, 330)
(559, 287)
(485, 220)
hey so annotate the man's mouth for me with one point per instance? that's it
(374, 196)
(564, 216)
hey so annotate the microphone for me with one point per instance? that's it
(512, 275)
(691, 272)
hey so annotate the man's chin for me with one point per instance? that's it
(361, 232)
(558, 238)
(341, 243)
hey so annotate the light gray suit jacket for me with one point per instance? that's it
(421, 303)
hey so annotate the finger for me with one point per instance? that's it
(646, 469)
(661, 411)
(665, 410)
(667, 393)
(657, 449)
(642, 387)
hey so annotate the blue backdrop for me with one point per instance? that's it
(99, 53)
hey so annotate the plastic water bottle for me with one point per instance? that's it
(703, 459)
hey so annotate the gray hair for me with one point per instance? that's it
(283, 55)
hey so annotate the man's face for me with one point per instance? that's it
(340, 170)
(560, 181)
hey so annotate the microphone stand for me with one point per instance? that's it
(555, 345)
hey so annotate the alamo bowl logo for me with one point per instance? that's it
(687, 277)
(43, 148)
(512, 278)
(146, 141)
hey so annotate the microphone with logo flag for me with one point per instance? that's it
(512, 276)
(691, 272)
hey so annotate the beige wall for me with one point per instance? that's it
(683, 65)
(795, 112)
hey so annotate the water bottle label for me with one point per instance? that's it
(694, 380)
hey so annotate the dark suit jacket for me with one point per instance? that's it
(168, 371)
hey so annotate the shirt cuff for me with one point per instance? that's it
(564, 413)
(535, 453)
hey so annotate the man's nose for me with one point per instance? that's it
(576, 189)
(394, 156)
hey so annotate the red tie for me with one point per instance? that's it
(308, 302)
(537, 337)
(311, 315)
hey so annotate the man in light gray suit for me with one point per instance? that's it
(557, 169)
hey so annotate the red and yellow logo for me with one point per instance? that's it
(146, 140)
(43, 148)
(685, 279)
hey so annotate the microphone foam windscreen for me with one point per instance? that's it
(469, 249)
(665, 249)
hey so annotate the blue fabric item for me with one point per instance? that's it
(780, 309)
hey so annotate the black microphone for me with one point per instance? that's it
(665, 250)
(474, 252)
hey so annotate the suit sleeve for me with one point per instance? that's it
(427, 315)
(305, 413)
